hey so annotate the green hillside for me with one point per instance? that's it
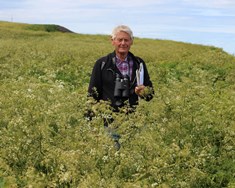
(184, 137)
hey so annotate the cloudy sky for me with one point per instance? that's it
(207, 22)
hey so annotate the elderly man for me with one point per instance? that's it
(120, 77)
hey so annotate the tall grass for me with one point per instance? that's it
(184, 137)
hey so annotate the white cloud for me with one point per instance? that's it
(212, 3)
(102, 4)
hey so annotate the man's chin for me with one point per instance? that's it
(123, 51)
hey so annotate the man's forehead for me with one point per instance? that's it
(122, 34)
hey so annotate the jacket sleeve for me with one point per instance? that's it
(147, 81)
(95, 85)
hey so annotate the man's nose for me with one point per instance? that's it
(123, 41)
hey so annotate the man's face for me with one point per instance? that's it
(122, 42)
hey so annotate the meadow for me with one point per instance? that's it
(183, 138)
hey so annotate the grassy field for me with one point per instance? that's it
(183, 138)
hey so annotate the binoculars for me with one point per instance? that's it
(122, 88)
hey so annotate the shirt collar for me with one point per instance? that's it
(118, 60)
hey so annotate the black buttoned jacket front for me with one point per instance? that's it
(102, 82)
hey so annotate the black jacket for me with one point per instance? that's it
(102, 82)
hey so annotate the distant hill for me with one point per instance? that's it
(49, 28)
(36, 27)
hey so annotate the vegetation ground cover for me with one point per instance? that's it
(184, 137)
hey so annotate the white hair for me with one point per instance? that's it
(123, 28)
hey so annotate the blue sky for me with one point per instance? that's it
(207, 22)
